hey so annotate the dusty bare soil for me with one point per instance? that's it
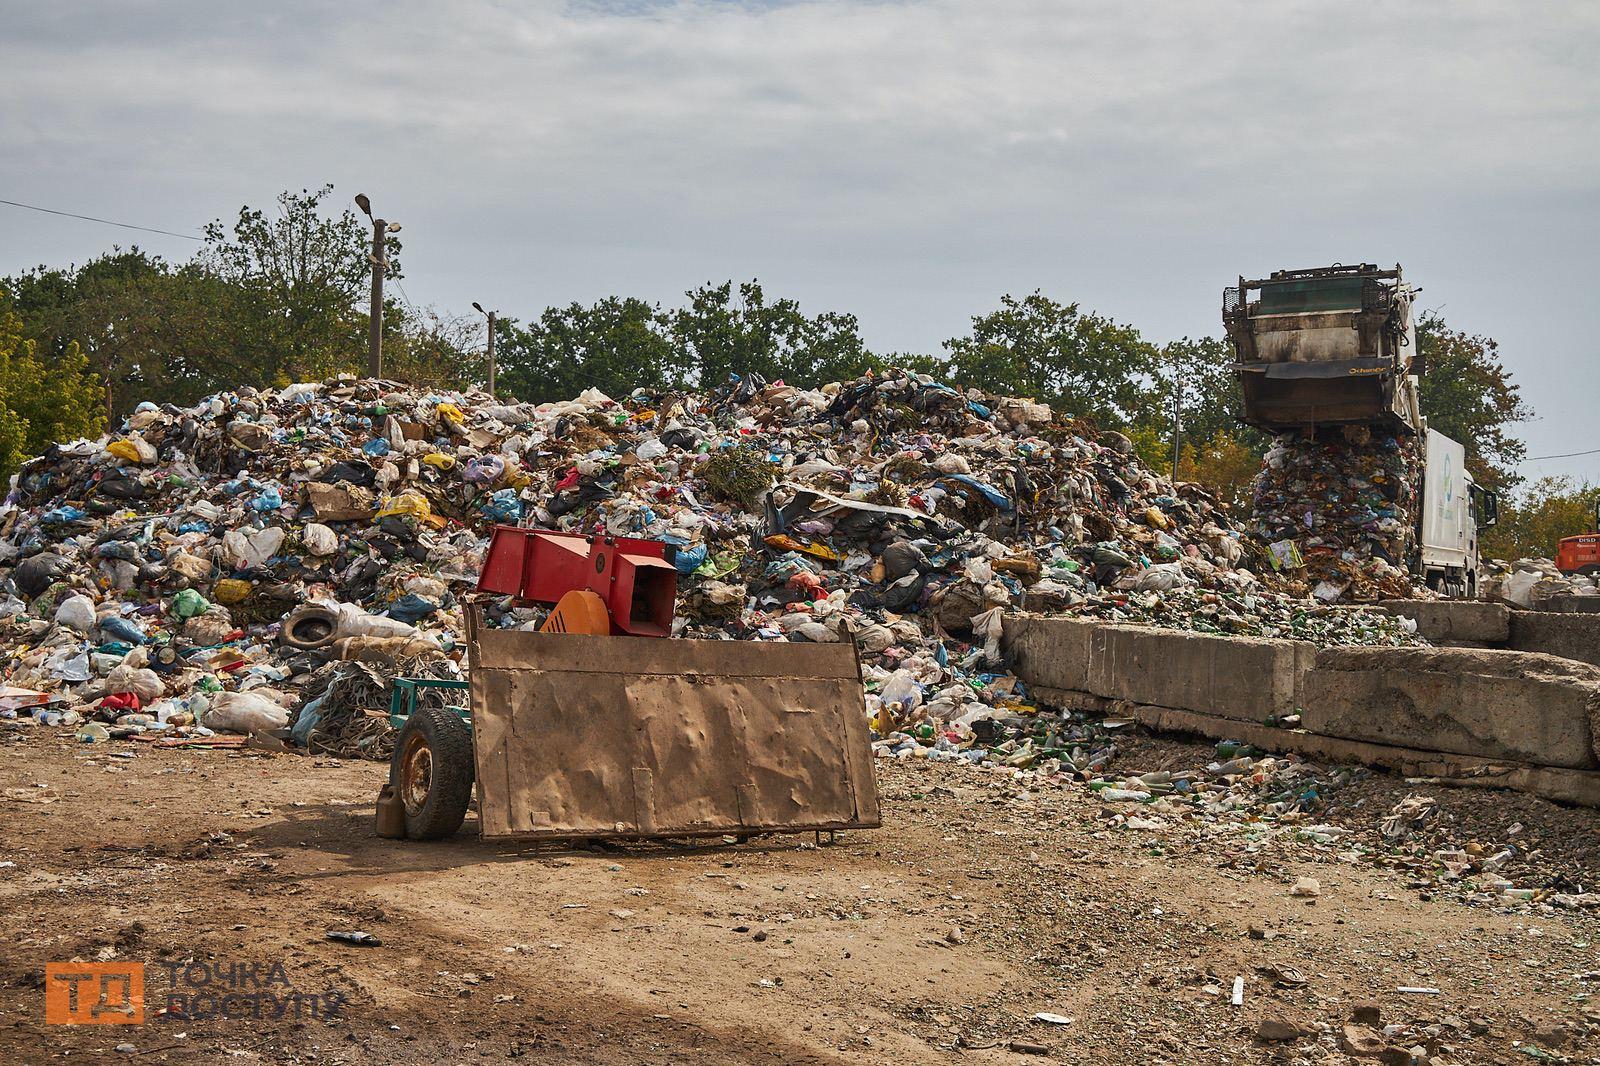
(935, 939)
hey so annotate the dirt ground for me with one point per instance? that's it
(935, 939)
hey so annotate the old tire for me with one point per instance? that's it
(309, 627)
(431, 771)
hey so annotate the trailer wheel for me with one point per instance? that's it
(1589, 570)
(431, 770)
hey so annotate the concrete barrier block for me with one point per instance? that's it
(1571, 636)
(1568, 603)
(1449, 620)
(1244, 678)
(1485, 703)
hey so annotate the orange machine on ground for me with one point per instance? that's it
(1581, 554)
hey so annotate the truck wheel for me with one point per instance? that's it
(431, 770)
(1590, 570)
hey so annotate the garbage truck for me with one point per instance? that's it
(1453, 506)
(1336, 346)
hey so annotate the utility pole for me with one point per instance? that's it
(380, 263)
(490, 315)
(1177, 416)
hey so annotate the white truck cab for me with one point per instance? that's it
(1453, 508)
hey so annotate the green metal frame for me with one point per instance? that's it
(403, 697)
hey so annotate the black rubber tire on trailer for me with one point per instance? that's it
(1588, 571)
(431, 771)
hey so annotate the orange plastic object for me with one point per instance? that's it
(579, 611)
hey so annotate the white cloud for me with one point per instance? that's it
(909, 161)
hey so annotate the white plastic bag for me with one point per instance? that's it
(354, 622)
(76, 612)
(245, 712)
(249, 551)
(1518, 588)
(989, 626)
(901, 691)
(1162, 578)
(145, 684)
(319, 539)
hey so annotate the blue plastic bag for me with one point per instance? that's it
(123, 630)
(411, 608)
(503, 506)
(689, 559)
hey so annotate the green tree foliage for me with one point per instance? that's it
(616, 345)
(1226, 464)
(1468, 395)
(431, 348)
(1212, 438)
(1534, 519)
(276, 297)
(723, 332)
(295, 279)
(1083, 363)
(42, 399)
(1211, 398)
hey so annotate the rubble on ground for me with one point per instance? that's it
(198, 569)
(1531, 583)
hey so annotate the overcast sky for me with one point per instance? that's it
(909, 162)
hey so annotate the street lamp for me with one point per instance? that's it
(379, 264)
(490, 315)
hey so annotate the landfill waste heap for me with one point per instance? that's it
(1532, 583)
(267, 559)
(1337, 510)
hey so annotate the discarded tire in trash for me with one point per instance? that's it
(309, 627)
(432, 771)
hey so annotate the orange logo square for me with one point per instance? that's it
(94, 993)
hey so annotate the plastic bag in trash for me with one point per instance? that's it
(189, 603)
(122, 629)
(245, 712)
(76, 612)
(250, 551)
(503, 506)
(319, 539)
(1161, 578)
(142, 682)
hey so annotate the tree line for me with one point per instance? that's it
(281, 295)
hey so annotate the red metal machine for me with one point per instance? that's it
(1580, 554)
(600, 585)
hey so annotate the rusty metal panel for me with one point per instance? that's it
(634, 737)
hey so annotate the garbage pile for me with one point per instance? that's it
(1337, 511)
(198, 569)
(1531, 583)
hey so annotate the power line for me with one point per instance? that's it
(103, 221)
(1563, 455)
